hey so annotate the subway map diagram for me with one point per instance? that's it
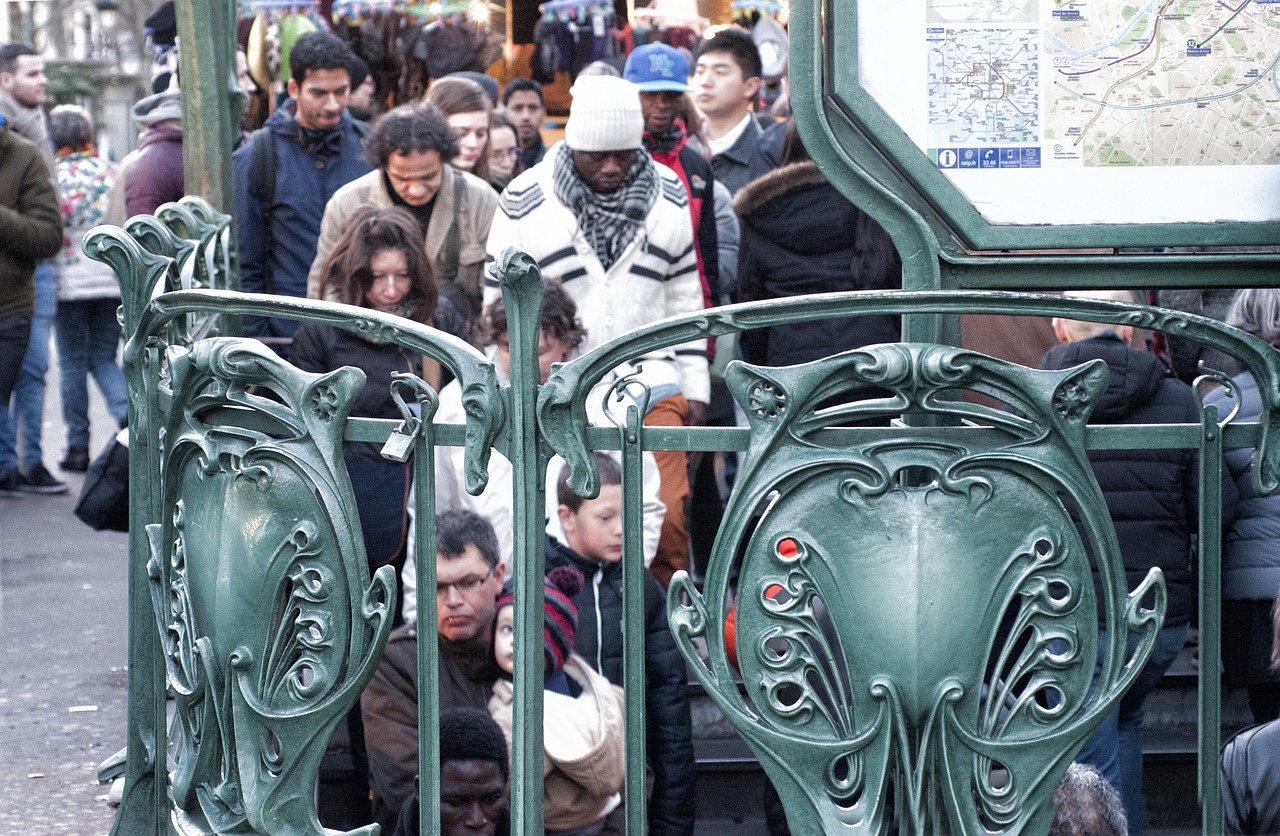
(984, 85)
(1162, 82)
(982, 11)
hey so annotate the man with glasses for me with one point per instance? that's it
(614, 228)
(468, 581)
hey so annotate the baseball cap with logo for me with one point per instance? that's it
(656, 68)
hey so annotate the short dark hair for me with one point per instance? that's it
(10, 52)
(610, 474)
(455, 530)
(70, 127)
(359, 70)
(520, 84)
(410, 129)
(469, 734)
(318, 51)
(741, 48)
(559, 316)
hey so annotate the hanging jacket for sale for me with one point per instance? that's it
(546, 54)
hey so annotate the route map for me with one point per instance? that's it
(984, 86)
(1169, 82)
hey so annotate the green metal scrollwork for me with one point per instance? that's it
(269, 624)
(562, 410)
(140, 272)
(917, 619)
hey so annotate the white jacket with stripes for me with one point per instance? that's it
(655, 277)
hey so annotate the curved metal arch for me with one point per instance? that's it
(562, 412)
(481, 393)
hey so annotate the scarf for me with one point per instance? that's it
(609, 221)
(29, 122)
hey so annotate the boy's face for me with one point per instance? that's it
(551, 350)
(504, 639)
(719, 87)
(595, 531)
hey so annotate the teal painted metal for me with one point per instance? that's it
(904, 630)
(877, 665)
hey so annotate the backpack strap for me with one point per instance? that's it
(262, 179)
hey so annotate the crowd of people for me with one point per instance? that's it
(668, 194)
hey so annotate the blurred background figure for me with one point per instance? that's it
(469, 112)
(504, 151)
(87, 332)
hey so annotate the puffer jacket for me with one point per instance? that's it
(585, 746)
(799, 235)
(1152, 495)
(669, 742)
(30, 222)
(1249, 780)
(1251, 547)
(155, 176)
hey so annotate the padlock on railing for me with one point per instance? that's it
(399, 446)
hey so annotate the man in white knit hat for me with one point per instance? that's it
(614, 227)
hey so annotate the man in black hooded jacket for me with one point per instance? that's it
(1152, 496)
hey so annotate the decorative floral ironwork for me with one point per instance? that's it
(767, 400)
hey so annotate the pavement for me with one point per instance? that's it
(63, 645)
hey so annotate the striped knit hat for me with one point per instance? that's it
(559, 614)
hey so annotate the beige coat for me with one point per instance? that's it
(585, 744)
(455, 239)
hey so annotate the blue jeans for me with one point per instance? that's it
(1115, 747)
(26, 415)
(88, 336)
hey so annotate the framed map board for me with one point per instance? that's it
(1086, 111)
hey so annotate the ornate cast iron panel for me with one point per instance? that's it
(269, 623)
(917, 625)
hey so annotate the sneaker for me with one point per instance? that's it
(40, 480)
(75, 461)
(9, 483)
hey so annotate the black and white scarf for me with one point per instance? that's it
(610, 221)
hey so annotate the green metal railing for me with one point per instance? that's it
(971, 735)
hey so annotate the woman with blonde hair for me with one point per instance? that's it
(469, 112)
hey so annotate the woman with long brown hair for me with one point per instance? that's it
(378, 263)
(469, 111)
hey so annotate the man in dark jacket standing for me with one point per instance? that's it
(30, 230)
(287, 172)
(155, 176)
(662, 74)
(1152, 498)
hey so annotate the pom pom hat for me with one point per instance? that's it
(559, 614)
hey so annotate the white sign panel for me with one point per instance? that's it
(1087, 111)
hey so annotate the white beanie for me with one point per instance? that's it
(605, 115)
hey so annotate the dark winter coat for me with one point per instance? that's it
(276, 249)
(1151, 494)
(799, 235)
(389, 705)
(156, 175)
(699, 181)
(1251, 547)
(30, 221)
(669, 743)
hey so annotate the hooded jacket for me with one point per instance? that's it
(799, 235)
(30, 221)
(669, 741)
(276, 250)
(1152, 495)
(155, 177)
(1251, 547)
(585, 745)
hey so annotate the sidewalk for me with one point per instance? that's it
(63, 643)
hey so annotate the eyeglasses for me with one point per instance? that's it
(464, 585)
(505, 153)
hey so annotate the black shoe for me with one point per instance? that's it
(40, 480)
(76, 460)
(9, 483)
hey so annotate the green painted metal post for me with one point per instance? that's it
(633, 668)
(212, 100)
(522, 296)
(1209, 686)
